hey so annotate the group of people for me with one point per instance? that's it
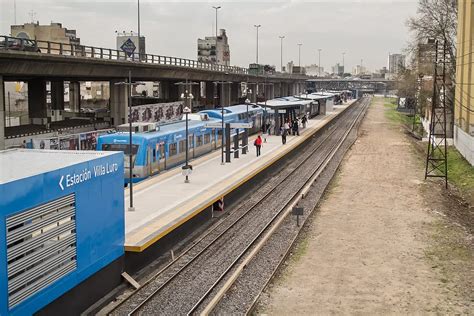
(290, 127)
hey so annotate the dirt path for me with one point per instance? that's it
(375, 245)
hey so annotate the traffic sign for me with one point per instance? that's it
(128, 47)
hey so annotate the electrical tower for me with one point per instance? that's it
(436, 157)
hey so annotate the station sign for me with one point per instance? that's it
(72, 179)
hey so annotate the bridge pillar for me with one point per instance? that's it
(234, 93)
(210, 91)
(37, 100)
(225, 97)
(75, 96)
(118, 102)
(57, 95)
(2, 114)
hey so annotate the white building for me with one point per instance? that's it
(396, 63)
(359, 70)
(314, 70)
(338, 69)
(210, 50)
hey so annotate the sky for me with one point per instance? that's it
(363, 29)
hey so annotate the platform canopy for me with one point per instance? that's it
(285, 103)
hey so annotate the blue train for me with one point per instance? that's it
(157, 148)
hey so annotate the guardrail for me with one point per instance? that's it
(65, 49)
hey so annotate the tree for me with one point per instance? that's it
(436, 19)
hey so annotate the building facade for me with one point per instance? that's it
(464, 94)
(54, 32)
(314, 70)
(337, 69)
(214, 50)
(396, 63)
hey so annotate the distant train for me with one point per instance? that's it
(157, 148)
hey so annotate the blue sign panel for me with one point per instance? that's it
(128, 47)
(92, 191)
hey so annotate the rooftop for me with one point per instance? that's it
(17, 164)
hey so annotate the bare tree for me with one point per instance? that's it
(436, 19)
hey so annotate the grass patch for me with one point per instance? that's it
(393, 115)
(460, 172)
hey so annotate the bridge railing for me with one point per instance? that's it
(68, 49)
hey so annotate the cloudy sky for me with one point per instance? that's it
(363, 29)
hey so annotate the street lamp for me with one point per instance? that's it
(299, 55)
(187, 169)
(257, 26)
(129, 84)
(216, 8)
(281, 52)
(247, 102)
(343, 70)
(319, 62)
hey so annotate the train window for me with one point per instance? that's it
(154, 154)
(126, 150)
(207, 138)
(198, 141)
(190, 141)
(172, 149)
(182, 146)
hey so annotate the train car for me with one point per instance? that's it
(238, 114)
(156, 148)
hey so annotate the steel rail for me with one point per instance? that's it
(213, 229)
(280, 215)
(251, 308)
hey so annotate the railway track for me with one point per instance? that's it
(193, 282)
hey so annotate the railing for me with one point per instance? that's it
(66, 49)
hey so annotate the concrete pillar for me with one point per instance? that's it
(2, 114)
(37, 99)
(234, 93)
(164, 90)
(118, 102)
(174, 91)
(225, 90)
(57, 95)
(75, 96)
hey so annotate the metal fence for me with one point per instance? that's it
(65, 49)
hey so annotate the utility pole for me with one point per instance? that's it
(257, 26)
(216, 8)
(299, 56)
(319, 62)
(281, 52)
(343, 66)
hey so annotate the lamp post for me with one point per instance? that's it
(247, 102)
(187, 168)
(299, 55)
(129, 85)
(343, 70)
(319, 61)
(257, 26)
(281, 52)
(216, 8)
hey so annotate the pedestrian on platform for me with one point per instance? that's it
(304, 120)
(283, 132)
(272, 127)
(258, 144)
(296, 128)
(286, 126)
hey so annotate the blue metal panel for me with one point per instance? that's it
(99, 218)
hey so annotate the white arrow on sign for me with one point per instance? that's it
(61, 183)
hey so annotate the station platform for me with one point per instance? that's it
(164, 202)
